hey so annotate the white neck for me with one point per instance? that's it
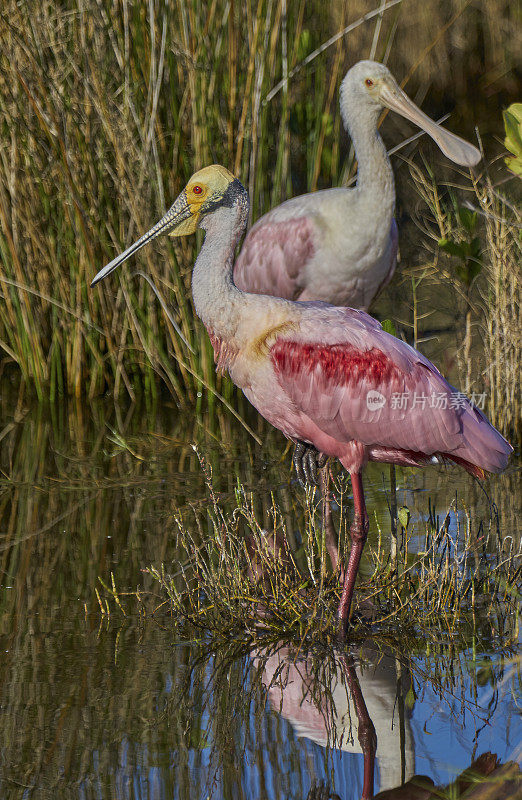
(374, 172)
(217, 301)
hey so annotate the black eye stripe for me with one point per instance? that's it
(232, 194)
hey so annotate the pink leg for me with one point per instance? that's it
(330, 536)
(358, 534)
(365, 730)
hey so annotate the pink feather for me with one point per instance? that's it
(274, 257)
(323, 374)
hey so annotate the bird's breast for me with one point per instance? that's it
(350, 268)
(225, 352)
(246, 352)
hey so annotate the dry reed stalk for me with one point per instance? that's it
(492, 303)
(97, 138)
(502, 305)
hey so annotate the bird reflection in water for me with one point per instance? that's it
(351, 703)
(355, 703)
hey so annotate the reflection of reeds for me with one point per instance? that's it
(85, 493)
(105, 115)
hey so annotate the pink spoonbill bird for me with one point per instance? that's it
(324, 375)
(340, 245)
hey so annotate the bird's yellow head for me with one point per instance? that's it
(203, 193)
(207, 189)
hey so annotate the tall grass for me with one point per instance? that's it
(502, 302)
(106, 108)
(105, 116)
(489, 344)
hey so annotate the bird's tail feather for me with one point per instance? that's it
(483, 448)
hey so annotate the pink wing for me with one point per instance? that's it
(274, 256)
(356, 382)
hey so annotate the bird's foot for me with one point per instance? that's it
(307, 461)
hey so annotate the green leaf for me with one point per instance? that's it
(389, 327)
(513, 140)
(467, 218)
(453, 248)
(515, 165)
(516, 110)
(403, 513)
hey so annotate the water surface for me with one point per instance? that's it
(122, 706)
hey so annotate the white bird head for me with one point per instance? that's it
(208, 190)
(369, 84)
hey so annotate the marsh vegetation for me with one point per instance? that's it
(137, 695)
(106, 111)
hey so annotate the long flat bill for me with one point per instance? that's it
(176, 214)
(456, 149)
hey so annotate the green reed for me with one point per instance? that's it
(106, 110)
(98, 139)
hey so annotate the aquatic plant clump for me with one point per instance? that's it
(239, 579)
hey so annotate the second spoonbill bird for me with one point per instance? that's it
(340, 245)
(328, 376)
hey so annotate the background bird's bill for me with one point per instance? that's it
(453, 147)
(178, 221)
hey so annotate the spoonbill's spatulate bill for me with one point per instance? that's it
(340, 245)
(328, 376)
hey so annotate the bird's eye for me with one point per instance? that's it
(369, 83)
(197, 189)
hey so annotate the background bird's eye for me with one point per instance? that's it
(369, 82)
(197, 189)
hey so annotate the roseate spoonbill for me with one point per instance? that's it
(340, 245)
(324, 375)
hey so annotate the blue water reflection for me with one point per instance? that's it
(274, 724)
